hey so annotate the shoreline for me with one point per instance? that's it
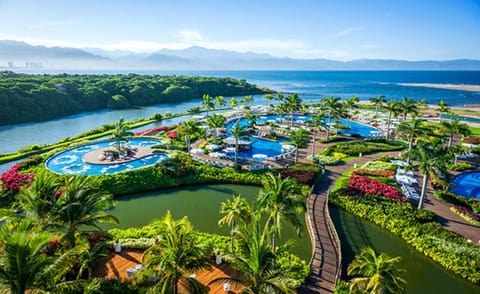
(458, 87)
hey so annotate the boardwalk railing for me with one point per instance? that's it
(336, 240)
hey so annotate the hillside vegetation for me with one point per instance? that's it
(27, 98)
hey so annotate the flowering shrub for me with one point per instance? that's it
(368, 172)
(358, 185)
(468, 212)
(171, 135)
(305, 177)
(12, 179)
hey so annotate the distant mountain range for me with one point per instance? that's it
(14, 54)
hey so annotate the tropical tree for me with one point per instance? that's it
(216, 121)
(220, 101)
(269, 97)
(443, 108)
(208, 102)
(282, 199)
(349, 104)
(188, 127)
(431, 160)
(120, 133)
(407, 106)
(316, 121)
(299, 139)
(378, 102)
(422, 102)
(90, 258)
(455, 127)
(256, 262)
(333, 108)
(80, 204)
(234, 211)
(292, 103)
(233, 102)
(249, 99)
(376, 273)
(237, 132)
(175, 255)
(252, 119)
(24, 264)
(392, 107)
(411, 130)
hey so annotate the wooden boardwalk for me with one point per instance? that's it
(325, 265)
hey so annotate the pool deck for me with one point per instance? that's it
(94, 156)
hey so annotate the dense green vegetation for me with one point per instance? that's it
(26, 98)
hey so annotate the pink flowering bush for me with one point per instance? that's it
(171, 135)
(358, 186)
(12, 179)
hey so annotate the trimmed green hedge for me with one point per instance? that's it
(354, 148)
(449, 197)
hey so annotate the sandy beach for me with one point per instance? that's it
(471, 88)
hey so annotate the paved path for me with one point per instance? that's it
(325, 266)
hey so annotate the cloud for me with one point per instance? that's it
(189, 36)
(349, 31)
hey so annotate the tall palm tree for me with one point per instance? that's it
(443, 108)
(299, 139)
(431, 159)
(407, 106)
(120, 133)
(282, 199)
(175, 255)
(455, 127)
(220, 101)
(316, 121)
(392, 107)
(269, 97)
(216, 121)
(233, 102)
(81, 204)
(90, 258)
(333, 108)
(256, 263)
(24, 266)
(376, 273)
(249, 99)
(378, 102)
(237, 132)
(233, 211)
(293, 103)
(411, 129)
(208, 102)
(349, 104)
(188, 127)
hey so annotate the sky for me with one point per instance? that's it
(341, 30)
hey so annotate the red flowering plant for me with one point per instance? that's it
(13, 180)
(360, 186)
(171, 135)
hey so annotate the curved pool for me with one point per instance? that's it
(467, 185)
(71, 161)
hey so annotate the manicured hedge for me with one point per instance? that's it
(354, 148)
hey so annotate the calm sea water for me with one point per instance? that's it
(311, 85)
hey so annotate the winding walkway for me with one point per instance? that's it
(325, 265)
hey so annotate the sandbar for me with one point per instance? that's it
(460, 87)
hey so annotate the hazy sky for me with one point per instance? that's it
(403, 29)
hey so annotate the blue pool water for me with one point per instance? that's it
(271, 148)
(70, 161)
(467, 185)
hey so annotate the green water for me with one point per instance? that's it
(200, 203)
(423, 275)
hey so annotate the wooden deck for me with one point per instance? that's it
(116, 268)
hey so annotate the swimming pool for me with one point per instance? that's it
(71, 161)
(467, 185)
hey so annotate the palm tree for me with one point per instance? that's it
(269, 97)
(256, 263)
(188, 127)
(233, 211)
(90, 258)
(282, 199)
(299, 139)
(216, 121)
(411, 129)
(443, 108)
(392, 107)
(378, 102)
(293, 103)
(350, 104)
(376, 273)
(422, 102)
(208, 102)
(175, 255)
(316, 121)
(431, 160)
(407, 106)
(81, 204)
(233, 102)
(237, 132)
(248, 99)
(24, 265)
(220, 101)
(333, 107)
(120, 133)
(455, 127)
